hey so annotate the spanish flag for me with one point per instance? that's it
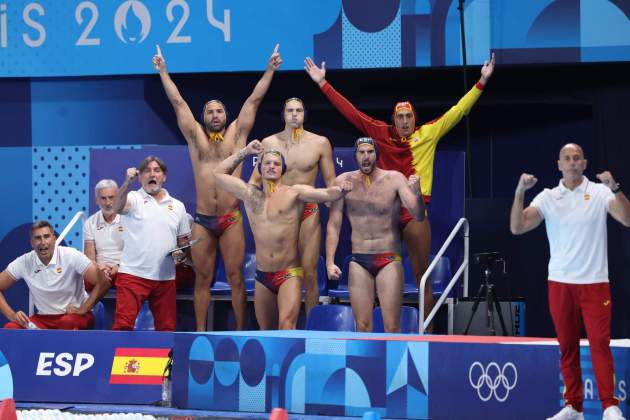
(138, 366)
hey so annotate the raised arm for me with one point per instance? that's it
(487, 69)
(223, 172)
(619, 208)
(247, 115)
(121, 206)
(376, 129)
(335, 218)
(523, 220)
(439, 127)
(307, 193)
(185, 118)
(410, 196)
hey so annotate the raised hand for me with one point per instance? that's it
(334, 273)
(607, 179)
(526, 182)
(487, 69)
(318, 74)
(158, 60)
(276, 59)
(254, 147)
(132, 174)
(414, 184)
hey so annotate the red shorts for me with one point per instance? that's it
(406, 217)
(59, 322)
(309, 210)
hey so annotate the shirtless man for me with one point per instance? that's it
(409, 148)
(373, 208)
(274, 212)
(218, 220)
(306, 154)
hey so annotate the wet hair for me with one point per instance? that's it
(151, 158)
(41, 224)
(211, 101)
(273, 152)
(104, 183)
(284, 107)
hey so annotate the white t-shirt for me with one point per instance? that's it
(150, 232)
(56, 285)
(576, 230)
(107, 237)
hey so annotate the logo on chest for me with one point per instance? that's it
(58, 270)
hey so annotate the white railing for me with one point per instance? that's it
(463, 268)
(70, 225)
(60, 238)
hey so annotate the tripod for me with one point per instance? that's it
(486, 292)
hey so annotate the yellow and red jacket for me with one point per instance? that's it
(413, 155)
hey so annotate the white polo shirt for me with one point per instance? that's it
(151, 230)
(56, 285)
(107, 237)
(576, 230)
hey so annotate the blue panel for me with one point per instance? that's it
(595, 15)
(358, 46)
(556, 26)
(327, 46)
(15, 113)
(14, 161)
(52, 38)
(40, 373)
(120, 36)
(370, 15)
(98, 112)
(522, 371)
(60, 186)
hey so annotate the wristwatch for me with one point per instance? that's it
(616, 189)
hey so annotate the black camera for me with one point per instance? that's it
(487, 258)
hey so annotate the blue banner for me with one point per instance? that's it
(82, 366)
(108, 37)
(493, 381)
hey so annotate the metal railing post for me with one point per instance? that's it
(463, 268)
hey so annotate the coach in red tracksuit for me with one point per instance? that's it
(575, 214)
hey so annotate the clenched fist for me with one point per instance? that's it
(526, 182)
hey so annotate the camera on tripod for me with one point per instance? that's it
(487, 294)
(487, 258)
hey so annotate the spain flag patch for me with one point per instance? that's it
(138, 366)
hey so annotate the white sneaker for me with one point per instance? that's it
(569, 413)
(613, 413)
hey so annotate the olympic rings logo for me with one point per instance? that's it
(492, 380)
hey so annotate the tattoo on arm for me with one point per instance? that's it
(240, 156)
